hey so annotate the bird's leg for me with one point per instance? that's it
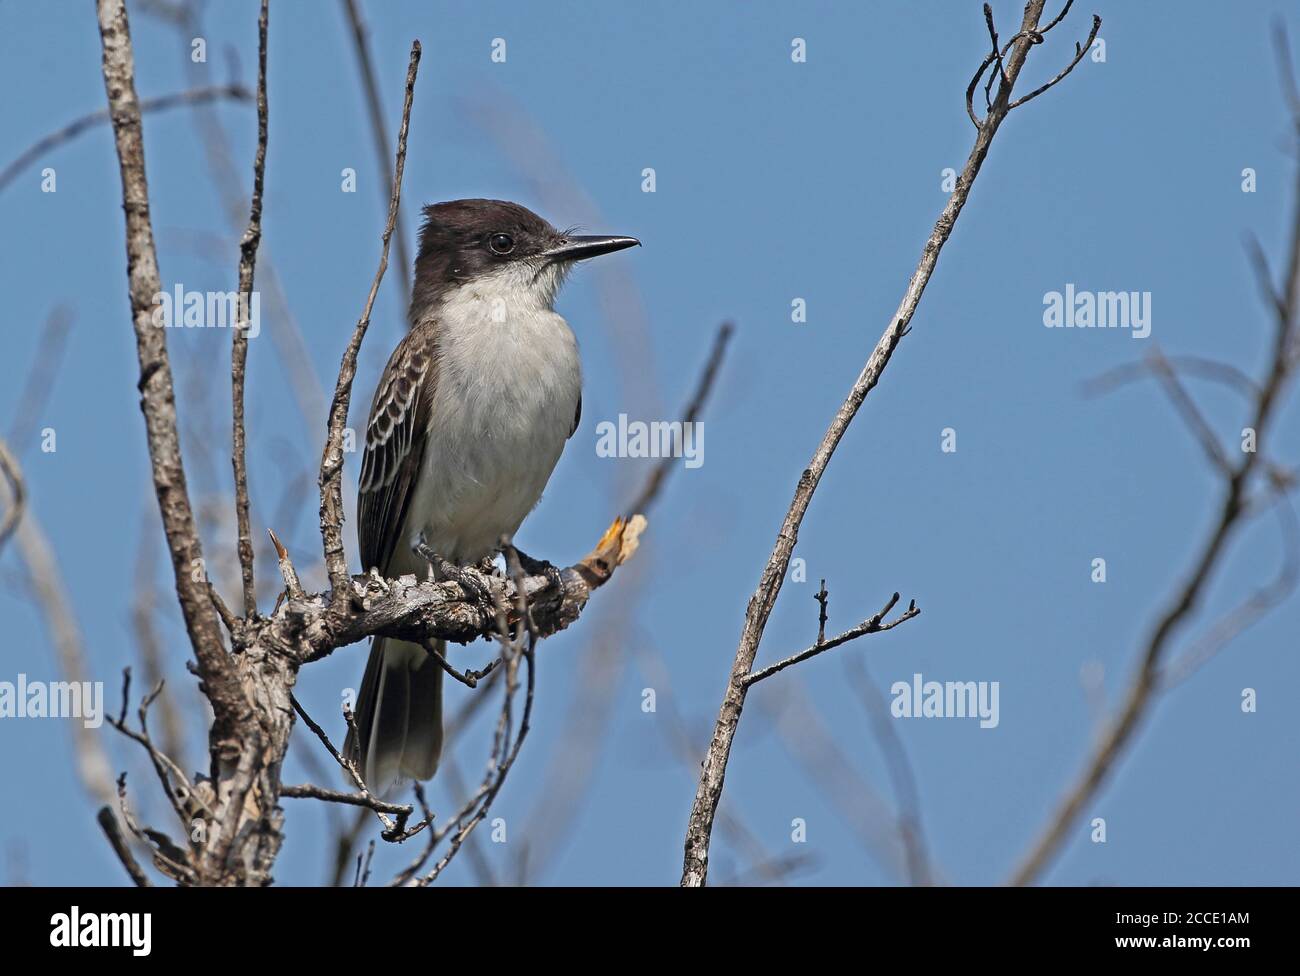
(445, 569)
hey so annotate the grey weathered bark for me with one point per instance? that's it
(1009, 62)
(157, 395)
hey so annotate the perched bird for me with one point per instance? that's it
(468, 421)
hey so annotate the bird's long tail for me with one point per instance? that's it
(398, 715)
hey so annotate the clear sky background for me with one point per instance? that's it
(775, 180)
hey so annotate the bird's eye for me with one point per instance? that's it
(501, 243)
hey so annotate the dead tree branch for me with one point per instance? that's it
(709, 793)
(239, 344)
(331, 467)
(872, 625)
(157, 395)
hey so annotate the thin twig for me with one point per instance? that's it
(196, 96)
(1250, 610)
(823, 599)
(1197, 366)
(378, 131)
(239, 345)
(40, 376)
(1190, 413)
(347, 765)
(654, 484)
(910, 833)
(331, 469)
(309, 791)
(1080, 51)
(469, 678)
(872, 625)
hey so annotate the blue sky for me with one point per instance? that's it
(775, 180)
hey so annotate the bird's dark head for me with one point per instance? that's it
(464, 241)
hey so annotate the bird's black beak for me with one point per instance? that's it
(576, 248)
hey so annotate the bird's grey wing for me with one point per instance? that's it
(577, 417)
(395, 439)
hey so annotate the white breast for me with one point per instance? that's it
(508, 384)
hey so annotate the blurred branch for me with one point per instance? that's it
(379, 132)
(1250, 610)
(1234, 508)
(195, 96)
(13, 475)
(910, 834)
(36, 390)
(655, 483)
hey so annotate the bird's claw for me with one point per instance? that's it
(445, 569)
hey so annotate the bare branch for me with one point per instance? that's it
(195, 96)
(469, 678)
(308, 791)
(60, 617)
(709, 792)
(872, 625)
(1197, 366)
(1264, 599)
(331, 469)
(1286, 71)
(1079, 52)
(290, 575)
(1190, 413)
(40, 376)
(239, 345)
(158, 399)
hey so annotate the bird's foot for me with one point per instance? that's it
(445, 569)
